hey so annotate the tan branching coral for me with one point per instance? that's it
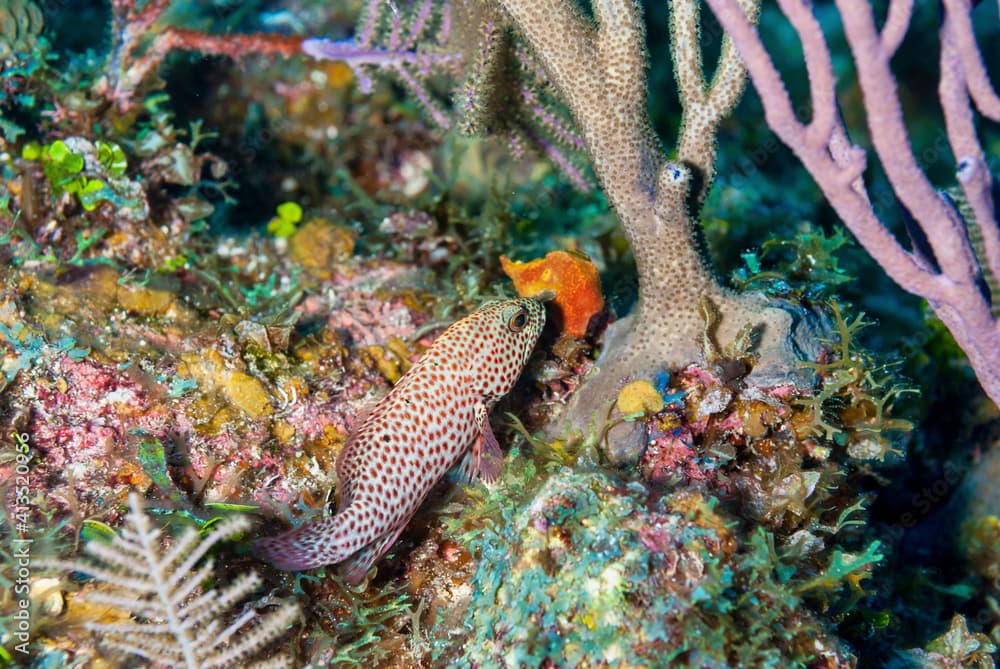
(599, 70)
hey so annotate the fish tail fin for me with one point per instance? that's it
(309, 546)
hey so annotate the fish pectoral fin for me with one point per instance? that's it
(465, 471)
(355, 568)
(486, 456)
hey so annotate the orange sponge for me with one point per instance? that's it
(573, 279)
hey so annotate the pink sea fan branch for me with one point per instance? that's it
(360, 57)
(960, 56)
(943, 265)
(896, 24)
(980, 88)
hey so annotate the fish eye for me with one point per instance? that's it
(518, 321)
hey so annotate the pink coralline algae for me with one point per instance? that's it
(81, 413)
(84, 404)
(374, 323)
(671, 456)
(357, 305)
(87, 419)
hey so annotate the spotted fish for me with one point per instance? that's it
(436, 416)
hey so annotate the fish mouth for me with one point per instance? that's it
(545, 295)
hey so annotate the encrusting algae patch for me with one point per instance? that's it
(640, 398)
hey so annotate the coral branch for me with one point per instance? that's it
(411, 45)
(945, 230)
(896, 24)
(944, 267)
(621, 46)
(359, 58)
(703, 106)
(819, 68)
(954, 91)
(980, 88)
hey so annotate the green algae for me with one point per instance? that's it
(592, 570)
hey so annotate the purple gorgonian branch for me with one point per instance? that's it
(412, 45)
(355, 57)
(502, 89)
